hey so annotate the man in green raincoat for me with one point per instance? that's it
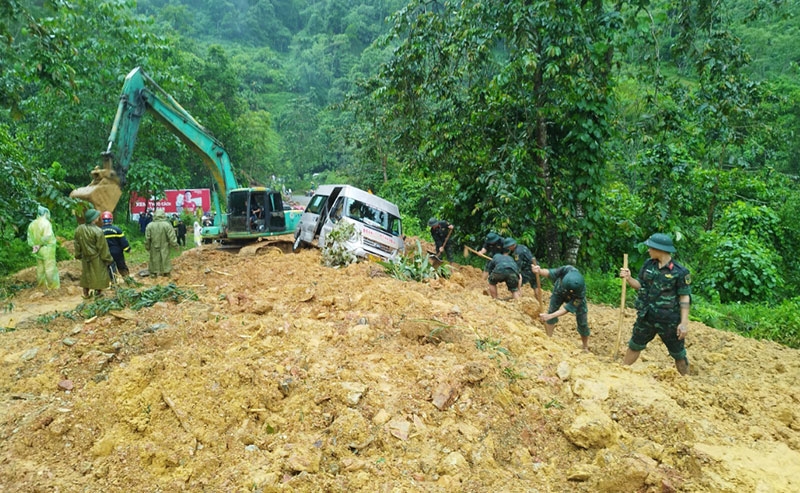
(158, 238)
(43, 244)
(91, 249)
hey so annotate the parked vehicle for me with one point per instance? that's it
(379, 233)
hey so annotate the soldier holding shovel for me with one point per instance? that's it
(662, 304)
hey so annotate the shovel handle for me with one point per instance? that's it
(479, 254)
(538, 285)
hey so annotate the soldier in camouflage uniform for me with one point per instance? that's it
(503, 268)
(524, 258)
(492, 245)
(440, 232)
(663, 303)
(569, 290)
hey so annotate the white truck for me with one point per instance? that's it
(379, 233)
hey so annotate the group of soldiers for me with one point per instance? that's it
(663, 285)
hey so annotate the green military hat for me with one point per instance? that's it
(660, 241)
(432, 222)
(90, 215)
(509, 242)
(573, 281)
(493, 238)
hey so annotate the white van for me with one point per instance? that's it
(379, 233)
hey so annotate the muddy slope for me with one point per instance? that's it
(288, 376)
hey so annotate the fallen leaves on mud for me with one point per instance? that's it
(289, 376)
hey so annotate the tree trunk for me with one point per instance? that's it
(574, 239)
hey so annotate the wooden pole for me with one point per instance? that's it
(621, 309)
(538, 287)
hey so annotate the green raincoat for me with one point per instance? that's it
(158, 238)
(92, 250)
(43, 244)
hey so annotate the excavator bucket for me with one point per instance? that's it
(104, 190)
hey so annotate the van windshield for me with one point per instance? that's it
(376, 218)
(316, 203)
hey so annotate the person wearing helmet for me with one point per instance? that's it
(492, 245)
(91, 249)
(568, 296)
(503, 268)
(524, 258)
(440, 232)
(663, 302)
(117, 242)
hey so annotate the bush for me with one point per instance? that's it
(335, 253)
(416, 267)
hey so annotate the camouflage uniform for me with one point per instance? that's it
(573, 302)
(439, 231)
(492, 248)
(658, 306)
(524, 259)
(503, 268)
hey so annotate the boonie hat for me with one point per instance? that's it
(660, 241)
(492, 238)
(90, 215)
(432, 221)
(509, 242)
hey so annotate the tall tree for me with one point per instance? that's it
(512, 100)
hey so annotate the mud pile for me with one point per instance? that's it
(288, 376)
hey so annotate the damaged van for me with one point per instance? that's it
(379, 233)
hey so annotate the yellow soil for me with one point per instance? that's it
(289, 376)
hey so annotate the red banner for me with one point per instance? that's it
(174, 201)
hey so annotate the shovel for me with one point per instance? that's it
(468, 249)
(621, 309)
(434, 259)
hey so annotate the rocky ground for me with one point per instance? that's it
(285, 375)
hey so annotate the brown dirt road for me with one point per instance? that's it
(289, 376)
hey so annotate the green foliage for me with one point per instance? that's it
(739, 260)
(739, 268)
(335, 252)
(416, 267)
(135, 300)
(775, 322)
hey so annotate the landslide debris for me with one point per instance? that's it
(286, 375)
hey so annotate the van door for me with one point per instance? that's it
(315, 215)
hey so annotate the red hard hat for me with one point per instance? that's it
(107, 216)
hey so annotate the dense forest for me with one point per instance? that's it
(579, 128)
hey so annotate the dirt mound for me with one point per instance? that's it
(288, 376)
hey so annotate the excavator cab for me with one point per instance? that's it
(253, 211)
(104, 191)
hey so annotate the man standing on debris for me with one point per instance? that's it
(503, 268)
(43, 246)
(569, 296)
(159, 238)
(440, 232)
(117, 242)
(663, 302)
(91, 249)
(524, 258)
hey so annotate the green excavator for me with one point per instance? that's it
(249, 214)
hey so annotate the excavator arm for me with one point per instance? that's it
(140, 94)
